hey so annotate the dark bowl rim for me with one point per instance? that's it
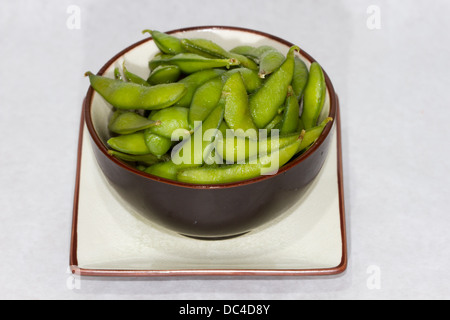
(100, 145)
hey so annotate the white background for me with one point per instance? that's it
(393, 85)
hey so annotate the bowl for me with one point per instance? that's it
(205, 211)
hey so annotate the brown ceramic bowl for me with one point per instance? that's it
(205, 211)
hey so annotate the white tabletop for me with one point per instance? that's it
(388, 62)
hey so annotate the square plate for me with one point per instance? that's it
(108, 239)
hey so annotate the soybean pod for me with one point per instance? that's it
(126, 122)
(165, 42)
(131, 96)
(265, 102)
(291, 113)
(265, 165)
(314, 96)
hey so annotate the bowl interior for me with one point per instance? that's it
(137, 57)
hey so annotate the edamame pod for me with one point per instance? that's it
(238, 172)
(300, 77)
(265, 102)
(117, 74)
(191, 62)
(291, 113)
(165, 42)
(170, 119)
(254, 53)
(205, 99)
(164, 74)
(312, 134)
(195, 80)
(247, 51)
(125, 122)
(240, 149)
(147, 159)
(237, 113)
(131, 96)
(197, 142)
(314, 96)
(208, 94)
(204, 47)
(211, 49)
(251, 79)
(275, 123)
(196, 157)
(269, 62)
(167, 170)
(301, 126)
(268, 58)
(130, 143)
(223, 128)
(157, 144)
(159, 60)
(134, 78)
(261, 50)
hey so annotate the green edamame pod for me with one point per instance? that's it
(208, 94)
(117, 74)
(170, 168)
(131, 96)
(165, 42)
(239, 149)
(164, 74)
(223, 128)
(291, 113)
(204, 47)
(125, 122)
(130, 143)
(191, 62)
(159, 60)
(199, 146)
(170, 119)
(205, 99)
(247, 51)
(261, 50)
(255, 53)
(300, 77)
(269, 62)
(301, 126)
(238, 172)
(313, 96)
(275, 123)
(210, 49)
(236, 149)
(237, 113)
(147, 159)
(193, 81)
(134, 78)
(157, 144)
(167, 170)
(251, 79)
(265, 102)
(312, 134)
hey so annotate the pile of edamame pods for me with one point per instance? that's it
(207, 115)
